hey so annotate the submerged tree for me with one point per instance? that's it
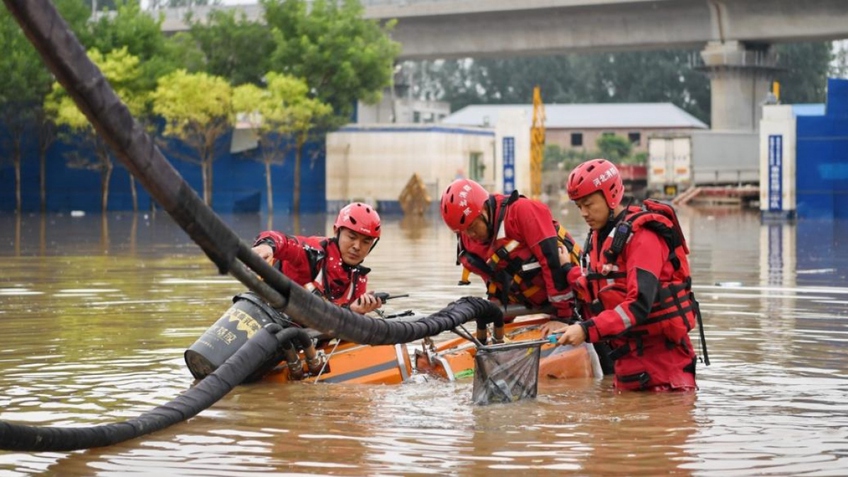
(140, 33)
(26, 82)
(198, 110)
(233, 47)
(122, 71)
(341, 56)
(22, 73)
(283, 116)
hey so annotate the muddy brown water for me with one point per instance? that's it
(96, 311)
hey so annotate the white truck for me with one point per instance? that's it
(669, 166)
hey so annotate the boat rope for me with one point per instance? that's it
(467, 335)
(327, 361)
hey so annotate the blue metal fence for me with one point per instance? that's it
(822, 158)
(238, 182)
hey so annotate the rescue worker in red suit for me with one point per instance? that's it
(635, 284)
(330, 266)
(514, 244)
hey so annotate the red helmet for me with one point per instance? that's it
(462, 202)
(361, 218)
(596, 175)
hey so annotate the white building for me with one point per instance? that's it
(375, 162)
(578, 126)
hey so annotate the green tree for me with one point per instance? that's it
(661, 76)
(25, 84)
(23, 72)
(342, 57)
(141, 34)
(839, 66)
(644, 77)
(183, 49)
(197, 109)
(123, 72)
(234, 48)
(157, 4)
(493, 80)
(285, 117)
(563, 159)
(650, 76)
(100, 5)
(128, 27)
(806, 66)
(613, 147)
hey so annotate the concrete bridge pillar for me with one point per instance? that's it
(740, 80)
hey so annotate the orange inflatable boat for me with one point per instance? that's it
(450, 359)
(315, 357)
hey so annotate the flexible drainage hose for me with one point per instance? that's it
(256, 351)
(66, 58)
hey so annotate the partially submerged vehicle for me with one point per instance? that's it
(318, 357)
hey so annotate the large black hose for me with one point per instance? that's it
(67, 60)
(340, 322)
(295, 339)
(257, 350)
(287, 338)
(248, 360)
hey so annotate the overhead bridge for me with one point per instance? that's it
(734, 35)
(437, 29)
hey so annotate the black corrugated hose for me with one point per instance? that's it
(66, 58)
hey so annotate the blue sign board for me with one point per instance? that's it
(508, 165)
(775, 173)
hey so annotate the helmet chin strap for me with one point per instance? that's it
(612, 215)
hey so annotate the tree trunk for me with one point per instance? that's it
(104, 231)
(15, 126)
(210, 175)
(296, 189)
(42, 160)
(105, 177)
(204, 173)
(46, 136)
(134, 193)
(268, 187)
(16, 159)
(298, 154)
(18, 235)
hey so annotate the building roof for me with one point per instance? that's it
(416, 128)
(586, 116)
(809, 109)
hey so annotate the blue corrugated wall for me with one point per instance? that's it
(238, 182)
(822, 158)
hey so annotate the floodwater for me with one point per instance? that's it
(96, 311)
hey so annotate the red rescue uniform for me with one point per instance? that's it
(520, 263)
(316, 264)
(639, 286)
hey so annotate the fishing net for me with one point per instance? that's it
(506, 372)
